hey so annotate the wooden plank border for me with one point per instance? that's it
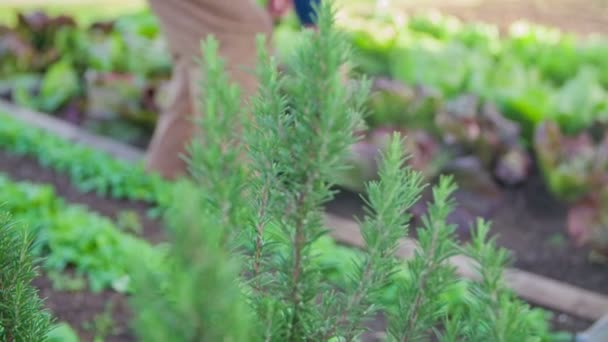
(534, 288)
(71, 132)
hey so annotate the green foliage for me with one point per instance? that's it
(58, 85)
(493, 313)
(102, 252)
(520, 71)
(531, 88)
(62, 332)
(297, 151)
(246, 261)
(72, 236)
(517, 71)
(198, 299)
(386, 223)
(428, 273)
(534, 75)
(21, 315)
(88, 169)
(56, 66)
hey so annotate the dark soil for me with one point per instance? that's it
(81, 310)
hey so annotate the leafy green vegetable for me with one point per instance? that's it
(89, 170)
(60, 54)
(62, 332)
(59, 84)
(71, 235)
(580, 102)
(534, 73)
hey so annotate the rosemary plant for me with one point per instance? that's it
(242, 262)
(22, 317)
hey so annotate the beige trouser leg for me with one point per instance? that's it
(235, 24)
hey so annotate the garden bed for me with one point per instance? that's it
(107, 313)
(526, 217)
(527, 220)
(81, 308)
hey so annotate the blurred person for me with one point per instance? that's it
(185, 23)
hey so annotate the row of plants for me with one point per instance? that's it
(534, 73)
(70, 236)
(420, 50)
(107, 77)
(77, 248)
(444, 134)
(89, 170)
(28, 201)
(519, 72)
(22, 317)
(104, 254)
(115, 179)
(531, 75)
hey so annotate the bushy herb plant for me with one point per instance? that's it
(244, 263)
(22, 317)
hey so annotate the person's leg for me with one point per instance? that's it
(174, 127)
(235, 24)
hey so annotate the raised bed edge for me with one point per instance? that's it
(71, 132)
